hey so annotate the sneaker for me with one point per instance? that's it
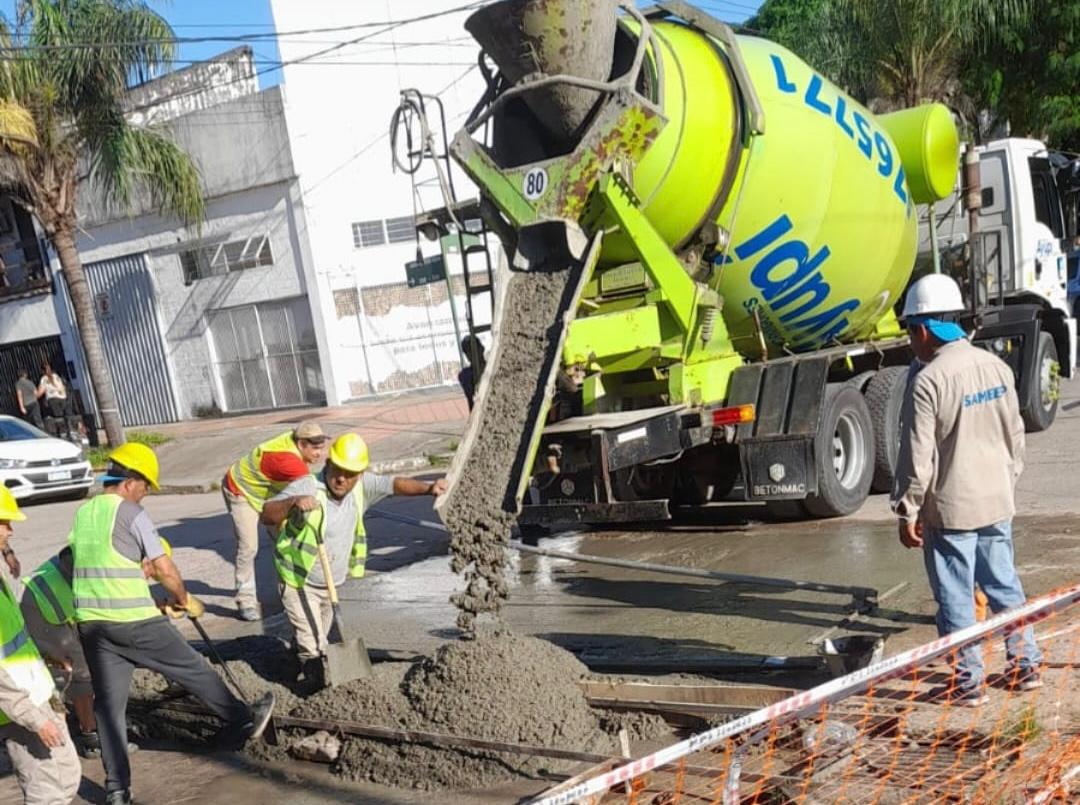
(119, 798)
(249, 613)
(1023, 679)
(966, 697)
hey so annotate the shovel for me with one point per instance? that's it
(348, 660)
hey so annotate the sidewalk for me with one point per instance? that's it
(402, 431)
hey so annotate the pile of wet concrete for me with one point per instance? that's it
(498, 687)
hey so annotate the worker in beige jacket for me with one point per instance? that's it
(961, 452)
(34, 732)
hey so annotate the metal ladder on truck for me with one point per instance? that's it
(460, 221)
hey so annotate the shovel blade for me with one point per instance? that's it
(345, 661)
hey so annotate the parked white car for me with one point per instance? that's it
(34, 464)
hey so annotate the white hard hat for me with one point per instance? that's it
(932, 294)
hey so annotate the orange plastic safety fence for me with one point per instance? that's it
(904, 739)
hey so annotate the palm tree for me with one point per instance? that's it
(910, 51)
(65, 66)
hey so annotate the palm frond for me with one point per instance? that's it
(128, 159)
(18, 132)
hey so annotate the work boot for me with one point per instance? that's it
(313, 679)
(234, 736)
(248, 612)
(119, 798)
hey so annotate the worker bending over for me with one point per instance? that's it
(249, 483)
(329, 507)
(33, 729)
(120, 624)
(48, 608)
(961, 452)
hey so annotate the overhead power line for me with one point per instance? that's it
(246, 37)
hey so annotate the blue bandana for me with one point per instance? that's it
(944, 331)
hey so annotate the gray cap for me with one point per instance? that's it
(310, 431)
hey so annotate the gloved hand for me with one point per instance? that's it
(194, 608)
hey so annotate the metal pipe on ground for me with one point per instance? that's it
(866, 597)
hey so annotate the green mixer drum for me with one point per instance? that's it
(823, 230)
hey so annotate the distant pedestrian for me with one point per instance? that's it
(961, 452)
(26, 394)
(469, 376)
(52, 387)
(250, 482)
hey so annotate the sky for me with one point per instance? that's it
(230, 18)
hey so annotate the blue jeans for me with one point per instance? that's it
(958, 560)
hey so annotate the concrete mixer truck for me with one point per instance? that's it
(706, 243)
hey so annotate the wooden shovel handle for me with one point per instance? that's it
(330, 588)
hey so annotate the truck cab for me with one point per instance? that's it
(1018, 280)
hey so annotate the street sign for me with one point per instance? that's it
(422, 272)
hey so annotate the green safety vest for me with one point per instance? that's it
(19, 656)
(248, 476)
(52, 593)
(297, 551)
(107, 585)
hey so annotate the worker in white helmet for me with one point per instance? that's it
(961, 452)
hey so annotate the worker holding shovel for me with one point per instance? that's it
(325, 515)
(120, 624)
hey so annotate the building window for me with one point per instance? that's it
(401, 230)
(221, 258)
(366, 234)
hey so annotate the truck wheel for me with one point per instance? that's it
(706, 474)
(884, 398)
(1043, 410)
(844, 454)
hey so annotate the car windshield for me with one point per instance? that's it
(12, 430)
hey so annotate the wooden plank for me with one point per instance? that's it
(708, 697)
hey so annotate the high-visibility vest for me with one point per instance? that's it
(297, 551)
(249, 478)
(107, 585)
(19, 656)
(52, 593)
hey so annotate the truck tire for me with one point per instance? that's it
(844, 454)
(885, 397)
(1041, 413)
(706, 474)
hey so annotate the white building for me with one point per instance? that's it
(339, 99)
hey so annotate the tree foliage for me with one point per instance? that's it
(63, 81)
(1017, 59)
(1032, 80)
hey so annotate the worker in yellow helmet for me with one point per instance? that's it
(120, 624)
(332, 505)
(49, 613)
(37, 739)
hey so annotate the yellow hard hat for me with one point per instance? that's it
(349, 452)
(137, 458)
(9, 509)
(165, 546)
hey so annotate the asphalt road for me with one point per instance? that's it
(606, 615)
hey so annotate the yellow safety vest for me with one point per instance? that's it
(108, 586)
(297, 551)
(52, 593)
(249, 478)
(19, 656)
